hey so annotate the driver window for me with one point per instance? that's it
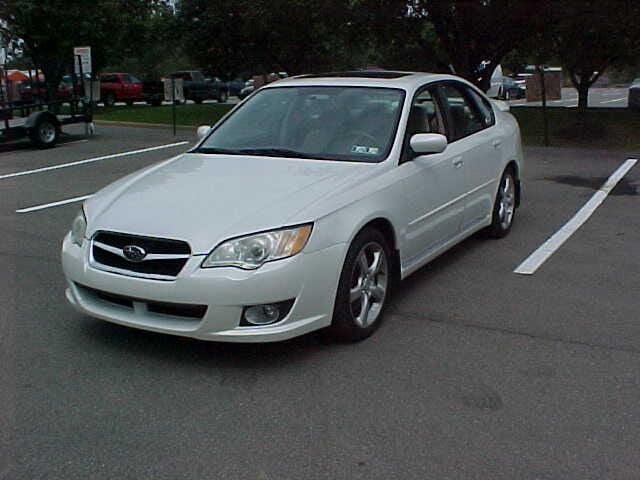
(425, 116)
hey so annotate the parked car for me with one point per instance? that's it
(235, 86)
(120, 87)
(511, 89)
(300, 210)
(197, 88)
(248, 89)
(634, 94)
(36, 92)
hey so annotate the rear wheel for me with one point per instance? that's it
(363, 288)
(504, 208)
(197, 100)
(44, 133)
(222, 96)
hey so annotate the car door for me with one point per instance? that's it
(473, 135)
(473, 120)
(433, 184)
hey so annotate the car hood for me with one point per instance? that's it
(205, 199)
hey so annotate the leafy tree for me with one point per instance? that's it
(51, 28)
(297, 36)
(477, 34)
(394, 35)
(592, 35)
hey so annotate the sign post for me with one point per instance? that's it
(174, 93)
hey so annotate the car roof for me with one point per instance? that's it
(365, 78)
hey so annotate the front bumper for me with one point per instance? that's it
(309, 278)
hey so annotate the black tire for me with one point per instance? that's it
(109, 99)
(44, 133)
(129, 103)
(345, 325)
(507, 95)
(197, 101)
(502, 220)
(222, 96)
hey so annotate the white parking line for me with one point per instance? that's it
(53, 204)
(615, 100)
(537, 258)
(91, 160)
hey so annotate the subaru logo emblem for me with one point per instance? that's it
(133, 253)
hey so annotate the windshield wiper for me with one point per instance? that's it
(222, 151)
(280, 152)
(269, 152)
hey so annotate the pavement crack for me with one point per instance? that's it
(548, 338)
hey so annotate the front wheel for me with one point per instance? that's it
(504, 208)
(109, 99)
(363, 288)
(223, 97)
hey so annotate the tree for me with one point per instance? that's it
(51, 28)
(591, 36)
(476, 35)
(297, 36)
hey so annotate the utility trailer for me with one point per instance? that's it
(42, 122)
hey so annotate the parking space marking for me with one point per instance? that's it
(53, 204)
(614, 100)
(548, 248)
(91, 160)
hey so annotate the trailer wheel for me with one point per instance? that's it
(44, 133)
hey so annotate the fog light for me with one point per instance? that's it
(258, 315)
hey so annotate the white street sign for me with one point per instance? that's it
(82, 55)
(177, 93)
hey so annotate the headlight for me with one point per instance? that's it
(79, 228)
(253, 251)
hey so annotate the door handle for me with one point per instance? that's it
(496, 143)
(457, 162)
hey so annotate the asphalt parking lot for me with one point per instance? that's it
(477, 372)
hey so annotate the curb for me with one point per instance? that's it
(115, 123)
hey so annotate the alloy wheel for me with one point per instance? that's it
(369, 282)
(507, 201)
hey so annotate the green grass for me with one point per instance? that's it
(205, 114)
(601, 128)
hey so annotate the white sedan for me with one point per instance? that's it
(299, 210)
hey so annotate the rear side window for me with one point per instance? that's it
(463, 116)
(484, 106)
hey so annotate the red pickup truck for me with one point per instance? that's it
(120, 87)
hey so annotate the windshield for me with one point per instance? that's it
(331, 123)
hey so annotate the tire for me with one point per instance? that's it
(197, 101)
(223, 96)
(44, 133)
(504, 207)
(507, 95)
(109, 99)
(129, 103)
(349, 324)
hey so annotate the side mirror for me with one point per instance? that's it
(423, 143)
(202, 131)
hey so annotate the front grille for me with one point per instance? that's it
(185, 310)
(164, 259)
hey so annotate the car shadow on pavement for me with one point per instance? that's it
(421, 277)
(185, 350)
